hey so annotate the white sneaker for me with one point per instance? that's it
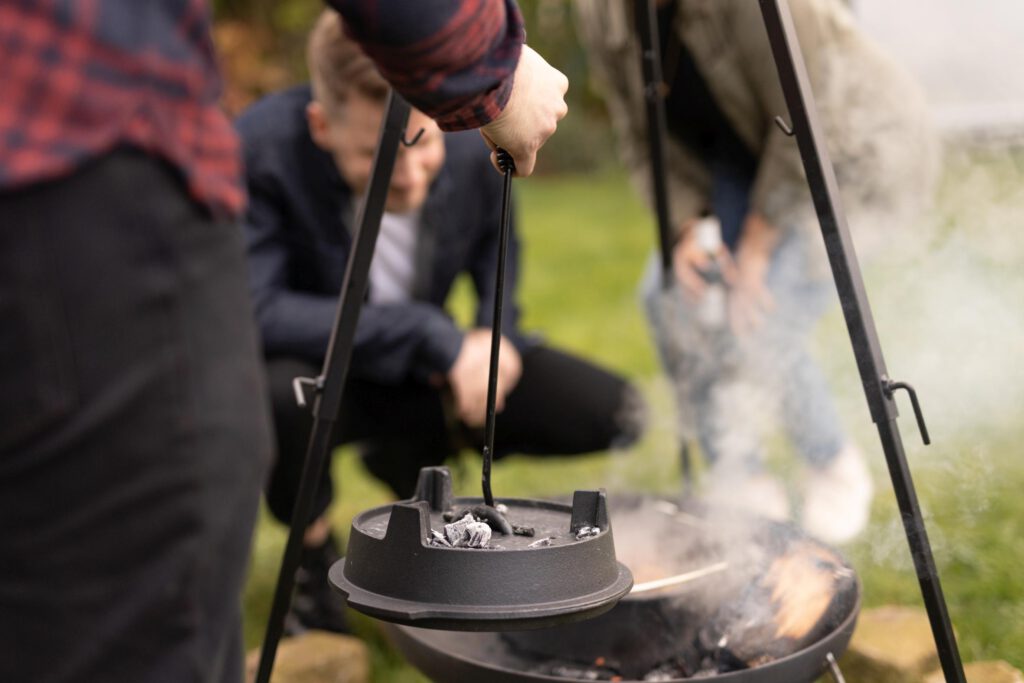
(759, 494)
(837, 497)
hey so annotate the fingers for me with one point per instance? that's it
(687, 262)
(727, 264)
(744, 316)
(531, 116)
(469, 376)
(749, 305)
(693, 284)
(472, 409)
(471, 405)
(494, 151)
(510, 368)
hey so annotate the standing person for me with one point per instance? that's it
(418, 382)
(726, 160)
(134, 426)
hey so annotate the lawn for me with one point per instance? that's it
(948, 317)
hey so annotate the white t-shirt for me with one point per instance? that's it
(394, 258)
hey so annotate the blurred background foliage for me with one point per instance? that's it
(262, 49)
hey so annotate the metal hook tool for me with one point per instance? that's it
(415, 138)
(508, 167)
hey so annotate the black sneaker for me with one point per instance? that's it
(315, 605)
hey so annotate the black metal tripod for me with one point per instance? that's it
(329, 386)
(657, 132)
(878, 387)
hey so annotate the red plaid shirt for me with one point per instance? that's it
(81, 78)
(452, 59)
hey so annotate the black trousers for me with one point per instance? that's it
(562, 405)
(134, 431)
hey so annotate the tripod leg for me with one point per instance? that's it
(331, 384)
(859, 321)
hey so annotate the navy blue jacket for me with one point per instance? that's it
(299, 227)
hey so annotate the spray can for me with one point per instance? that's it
(712, 308)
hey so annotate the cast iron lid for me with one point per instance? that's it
(397, 567)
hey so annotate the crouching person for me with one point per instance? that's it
(417, 386)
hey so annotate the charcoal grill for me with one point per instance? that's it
(454, 657)
(643, 630)
(394, 573)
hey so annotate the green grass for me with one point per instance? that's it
(587, 239)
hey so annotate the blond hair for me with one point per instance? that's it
(338, 67)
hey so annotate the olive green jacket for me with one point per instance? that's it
(874, 117)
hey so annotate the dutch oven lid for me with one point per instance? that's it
(546, 563)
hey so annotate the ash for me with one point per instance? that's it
(578, 672)
(468, 532)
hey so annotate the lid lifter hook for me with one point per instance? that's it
(415, 138)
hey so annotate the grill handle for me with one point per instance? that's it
(833, 668)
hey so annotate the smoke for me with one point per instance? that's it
(947, 301)
(945, 291)
(960, 51)
(946, 296)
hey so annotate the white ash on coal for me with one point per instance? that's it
(578, 672)
(587, 532)
(468, 532)
(437, 538)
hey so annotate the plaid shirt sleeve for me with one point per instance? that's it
(82, 78)
(454, 60)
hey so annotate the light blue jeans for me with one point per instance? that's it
(731, 391)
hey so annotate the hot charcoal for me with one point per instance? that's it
(773, 593)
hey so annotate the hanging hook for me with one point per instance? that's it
(299, 385)
(784, 127)
(889, 387)
(415, 138)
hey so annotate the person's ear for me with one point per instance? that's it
(316, 119)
